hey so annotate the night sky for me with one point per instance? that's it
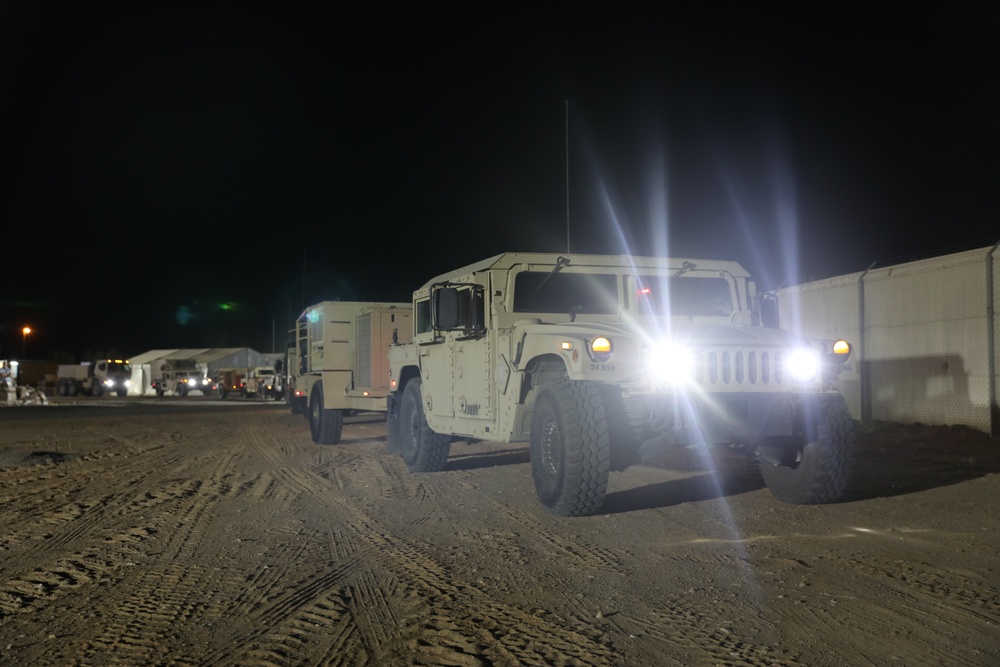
(195, 180)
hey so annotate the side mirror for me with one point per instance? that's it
(767, 305)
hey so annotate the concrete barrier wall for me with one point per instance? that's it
(925, 337)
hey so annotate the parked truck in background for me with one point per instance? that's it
(94, 378)
(587, 357)
(263, 382)
(180, 377)
(229, 380)
(341, 350)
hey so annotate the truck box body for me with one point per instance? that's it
(345, 344)
(340, 362)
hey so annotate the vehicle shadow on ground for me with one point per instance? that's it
(719, 477)
(895, 459)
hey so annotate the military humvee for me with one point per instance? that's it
(586, 357)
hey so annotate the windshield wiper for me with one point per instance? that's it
(561, 263)
(685, 267)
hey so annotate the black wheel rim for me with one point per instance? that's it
(550, 445)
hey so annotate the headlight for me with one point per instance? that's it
(669, 363)
(802, 364)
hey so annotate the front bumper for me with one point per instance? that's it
(740, 418)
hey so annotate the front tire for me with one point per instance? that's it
(326, 426)
(422, 449)
(818, 468)
(570, 447)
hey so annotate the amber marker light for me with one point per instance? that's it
(842, 347)
(600, 349)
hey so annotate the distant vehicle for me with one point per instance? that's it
(95, 378)
(180, 377)
(263, 382)
(341, 365)
(228, 380)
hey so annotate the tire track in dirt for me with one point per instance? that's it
(381, 600)
(404, 607)
(678, 628)
(910, 597)
(169, 593)
(103, 531)
(83, 541)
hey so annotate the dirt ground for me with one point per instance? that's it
(204, 532)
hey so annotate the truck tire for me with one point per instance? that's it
(159, 391)
(122, 392)
(96, 390)
(63, 388)
(422, 449)
(817, 468)
(325, 425)
(294, 403)
(570, 447)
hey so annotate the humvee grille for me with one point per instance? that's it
(722, 367)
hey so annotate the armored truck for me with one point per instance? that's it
(228, 380)
(341, 353)
(262, 382)
(180, 376)
(587, 357)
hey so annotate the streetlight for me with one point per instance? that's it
(24, 340)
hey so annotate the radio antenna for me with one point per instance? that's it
(567, 176)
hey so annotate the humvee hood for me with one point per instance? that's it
(707, 334)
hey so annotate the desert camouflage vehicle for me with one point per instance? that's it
(586, 357)
(338, 364)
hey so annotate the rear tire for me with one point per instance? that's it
(819, 467)
(570, 447)
(422, 449)
(326, 426)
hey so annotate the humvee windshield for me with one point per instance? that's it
(578, 293)
(684, 296)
